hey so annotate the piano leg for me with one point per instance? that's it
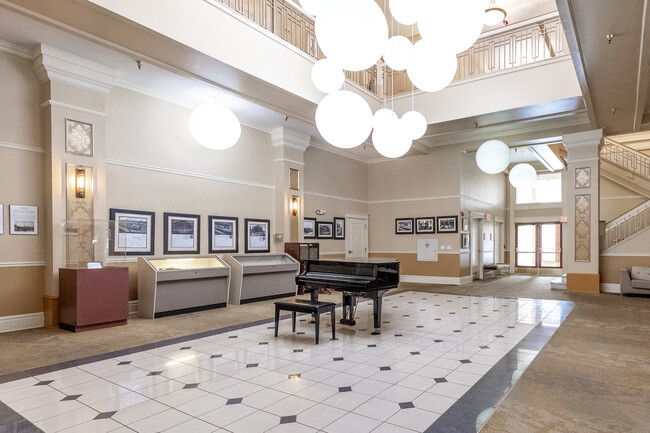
(348, 311)
(376, 313)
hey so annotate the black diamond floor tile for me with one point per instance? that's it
(234, 401)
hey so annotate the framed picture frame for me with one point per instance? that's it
(448, 224)
(404, 226)
(425, 225)
(339, 228)
(309, 228)
(2, 219)
(182, 233)
(23, 220)
(464, 241)
(223, 234)
(464, 224)
(257, 235)
(133, 232)
(325, 229)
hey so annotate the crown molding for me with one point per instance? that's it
(286, 137)
(17, 50)
(335, 150)
(51, 64)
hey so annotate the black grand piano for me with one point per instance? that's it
(356, 278)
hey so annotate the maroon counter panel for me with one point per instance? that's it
(93, 298)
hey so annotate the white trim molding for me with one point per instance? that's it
(187, 173)
(72, 107)
(290, 161)
(21, 321)
(401, 200)
(426, 279)
(23, 147)
(335, 150)
(606, 254)
(20, 264)
(16, 50)
(335, 197)
(610, 288)
(129, 259)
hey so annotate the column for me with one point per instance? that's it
(73, 93)
(583, 196)
(289, 148)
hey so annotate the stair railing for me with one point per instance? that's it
(625, 226)
(626, 158)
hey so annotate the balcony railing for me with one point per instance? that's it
(506, 50)
(626, 158)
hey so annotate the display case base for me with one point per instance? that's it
(160, 314)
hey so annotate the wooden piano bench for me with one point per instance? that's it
(314, 307)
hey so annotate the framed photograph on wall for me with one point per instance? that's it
(182, 233)
(403, 226)
(309, 228)
(448, 224)
(325, 229)
(2, 219)
(464, 241)
(224, 234)
(23, 220)
(257, 235)
(425, 225)
(464, 224)
(339, 228)
(133, 232)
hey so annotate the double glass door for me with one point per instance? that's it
(539, 245)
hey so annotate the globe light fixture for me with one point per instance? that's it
(383, 116)
(522, 176)
(433, 67)
(214, 126)
(344, 119)
(353, 33)
(391, 139)
(398, 53)
(456, 24)
(312, 6)
(327, 76)
(415, 124)
(493, 156)
(405, 11)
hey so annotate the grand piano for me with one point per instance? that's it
(356, 278)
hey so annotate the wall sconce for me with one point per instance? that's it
(294, 205)
(80, 183)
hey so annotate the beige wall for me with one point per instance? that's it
(21, 183)
(338, 185)
(616, 200)
(610, 266)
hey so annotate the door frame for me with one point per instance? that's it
(538, 245)
(478, 238)
(356, 216)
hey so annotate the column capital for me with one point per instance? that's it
(583, 144)
(286, 137)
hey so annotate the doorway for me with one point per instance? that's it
(538, 245)
(356, 239)
(476, 240)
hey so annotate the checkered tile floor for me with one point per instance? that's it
(432, 350)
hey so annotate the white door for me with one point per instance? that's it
(476, 240)
(356, 238)
(498, 242)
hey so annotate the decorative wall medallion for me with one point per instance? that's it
(583, 228)
(78, 138)
(583, 177)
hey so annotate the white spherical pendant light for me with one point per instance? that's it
(433, 67)
(398, 53)
(415, 124)
(458, 33)
(405, 11)
(391, 139)
(522, 176)
(493, 156)
(383, 116)
(214, 126)
(353, 33)
(344, 119)
(312, 6)
(327, 76)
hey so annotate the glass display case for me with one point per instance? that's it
(257, 277)
(181, 285)
(86, 243)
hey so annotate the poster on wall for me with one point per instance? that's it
(324, 229)
(448, 224)
(309, 228)
(425, 225)
(224, 233)
(23, 220)
(133, 232)
(339, 228)
(257, 235)
(182, 233)
(2, 220)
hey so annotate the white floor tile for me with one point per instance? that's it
(193, 426)
(415, 419)
(320, 415)
(378, 409)
(181, 396)
(257, 422)
(318, 392)
(66, 420)
(227, 414)
(289, 406)
(434, 402)
(160, 422)
(94, 426)
(400, 394)
(263, 398)
(139, 411)
(347, 400)
(352, 422)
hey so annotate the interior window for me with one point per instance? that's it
(546, 189)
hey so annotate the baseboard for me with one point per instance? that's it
(133, 307)
(466, 280)
(21, 321)
(427, 279)
(610, 288)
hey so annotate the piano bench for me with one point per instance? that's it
(302, 306)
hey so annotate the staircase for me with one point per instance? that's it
(632, 170)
